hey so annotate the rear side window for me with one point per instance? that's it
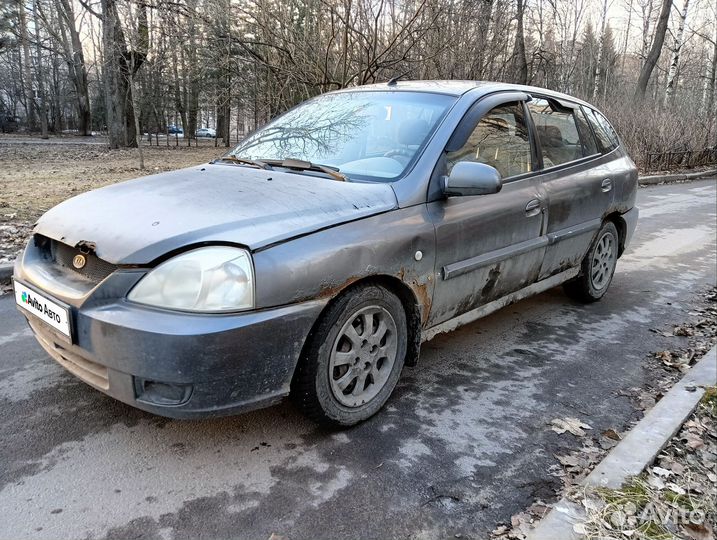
(605, 134)
(557, 131)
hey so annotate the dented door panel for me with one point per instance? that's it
(580, 197)
(487, 246)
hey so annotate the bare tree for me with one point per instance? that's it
(676, 48)
(26, 66)
(520, 62)
(655, 50)
(601, 40)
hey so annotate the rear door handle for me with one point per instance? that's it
(606, 185)
(533, 207)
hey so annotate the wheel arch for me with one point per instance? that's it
(621, 226)
(404, 293)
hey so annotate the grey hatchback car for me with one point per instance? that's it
(316, 257)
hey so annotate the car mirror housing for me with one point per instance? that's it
(471, 178)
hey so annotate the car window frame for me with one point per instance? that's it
(475, 113)
(617, 144)
(453, 143)
(562, 104)
(591, 131)
(478, 109)
(363, 179)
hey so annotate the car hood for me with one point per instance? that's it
(140, 220)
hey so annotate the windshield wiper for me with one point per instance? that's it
(301, 165)
(253, 162)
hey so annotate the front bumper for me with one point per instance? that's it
(179, 365)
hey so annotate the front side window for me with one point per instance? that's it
(606, 136)
(557, 131)
(500, 140)
(366, 135)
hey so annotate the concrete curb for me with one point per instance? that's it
(637, 450)
(680, 177)
(5, 271)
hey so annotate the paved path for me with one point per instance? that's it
(462, 444)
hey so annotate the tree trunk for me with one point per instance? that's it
(77, 68)
(709, 96)
(655, 50)
(193, 84)
(600, 53)
(135, 117)
(111, 74)
(179, 101)
(120, 65)
(646, 19)
(26, 67)
(520, 63)
(675, 62)
(39, 72)
(627, 37)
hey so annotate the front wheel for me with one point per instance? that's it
(353, 358)
(598, 267)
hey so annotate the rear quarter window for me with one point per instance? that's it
(586, 134)
(604, 132)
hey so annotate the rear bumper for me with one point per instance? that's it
(179, 365)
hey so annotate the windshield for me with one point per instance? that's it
(366, 135)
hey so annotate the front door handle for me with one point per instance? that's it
(606, 185)
(533, 207)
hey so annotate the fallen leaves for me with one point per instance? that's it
(569, 424)
(676, 360)
(675, 498)
(520, 524)
(683, 476)
(702, 333)
(699, 531)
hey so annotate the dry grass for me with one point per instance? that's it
(35, 177)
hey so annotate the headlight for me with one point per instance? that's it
(210, 279)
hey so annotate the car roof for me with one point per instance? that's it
(458, 88)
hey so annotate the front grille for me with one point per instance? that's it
(95, 270)
(87, 370)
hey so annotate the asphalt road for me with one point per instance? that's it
(463, 443)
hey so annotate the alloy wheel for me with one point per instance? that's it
(603, 262)
(363, 356)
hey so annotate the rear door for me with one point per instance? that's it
(489, 245)
(576, 177)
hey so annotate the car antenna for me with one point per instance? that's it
(395, 79)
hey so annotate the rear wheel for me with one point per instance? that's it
(598, 267)
(354, 357)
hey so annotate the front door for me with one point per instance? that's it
(490, 245)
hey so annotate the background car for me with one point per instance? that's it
(205, 132)
(174, 130)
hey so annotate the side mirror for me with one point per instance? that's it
(472, 178)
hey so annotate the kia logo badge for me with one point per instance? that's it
(79, 261)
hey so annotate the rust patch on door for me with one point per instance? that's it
(493, 276)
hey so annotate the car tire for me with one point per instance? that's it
(597, 268)
(353, 357)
